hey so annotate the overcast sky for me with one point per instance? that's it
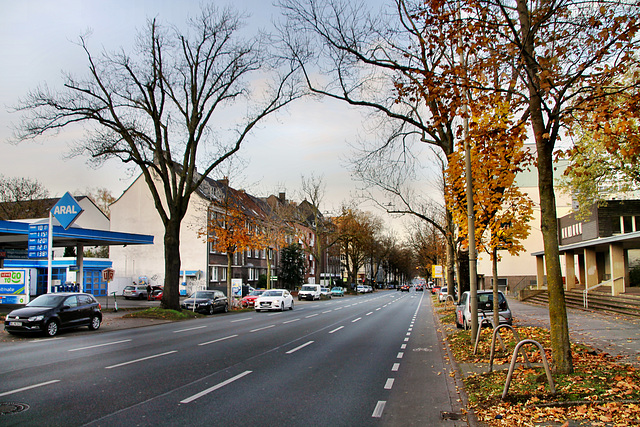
(37, 44)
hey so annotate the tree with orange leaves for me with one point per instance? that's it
(231, 228)
(502, 211)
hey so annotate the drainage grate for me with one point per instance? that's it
(450, 415)
(8, 408)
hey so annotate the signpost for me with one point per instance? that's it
(66, 211)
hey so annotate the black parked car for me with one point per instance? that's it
(50, 313)
(206, 302)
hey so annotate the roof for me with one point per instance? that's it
(15, 235)
(627, 240)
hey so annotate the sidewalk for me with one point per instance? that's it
(615, 334)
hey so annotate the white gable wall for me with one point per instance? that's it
(135, 212)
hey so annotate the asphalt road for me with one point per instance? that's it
(370, 360)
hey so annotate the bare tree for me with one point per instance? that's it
(163, 110)
(22, 198)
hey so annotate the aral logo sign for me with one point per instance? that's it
(66, 210)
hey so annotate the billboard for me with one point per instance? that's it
(14, 286)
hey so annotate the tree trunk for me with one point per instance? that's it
(171, 293)
(229, 276)
(560, 343)
(496, 305)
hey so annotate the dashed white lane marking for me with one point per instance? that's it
(299, 347)
(141, 360)
(369, 313)
(389, 384)
(395, 367)
(311, 315)
(98, 345)
(400, 354)
(18, 390)
(377, 412)
(241, 320)
(189, 329)
(218, 340)
(215, 387)
(290, 321)
(403, 346)
(336, 329)
(355, 320)
(263, 328)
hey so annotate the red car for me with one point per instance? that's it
(250, 300)
(156, 294)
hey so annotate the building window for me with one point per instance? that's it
(627, 224)
(214, 274)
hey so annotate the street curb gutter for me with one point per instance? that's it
(470, 415)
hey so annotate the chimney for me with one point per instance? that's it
(282, 197)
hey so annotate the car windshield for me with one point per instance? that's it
(128, 288)
(256, 293)
(202, 294)
(308, 288)
(272, 294)
(336, 289)
(46, 301)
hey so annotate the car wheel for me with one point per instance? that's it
(95, 323)
(282, 306)
(51, 328)
(291, 307)
(211, 309)
(257, 310)
(299, 299)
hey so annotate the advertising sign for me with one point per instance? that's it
(436, 271)
(38, 245)
(14, 287)
(66, 210)
(236, 288)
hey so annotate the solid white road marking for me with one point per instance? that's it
(18, 390)
(215, 387)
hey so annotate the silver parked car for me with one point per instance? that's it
(485, 309)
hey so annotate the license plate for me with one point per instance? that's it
(15, 323)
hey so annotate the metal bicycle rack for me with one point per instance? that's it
(552, 387)
(482, 322)
(493, 344)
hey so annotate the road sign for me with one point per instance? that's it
(108, 274)
(66, 210)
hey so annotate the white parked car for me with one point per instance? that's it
(325, 292)
(274, 299)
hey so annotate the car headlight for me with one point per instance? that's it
(36, 318)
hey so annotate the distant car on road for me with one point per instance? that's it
(206, 302)
(337, 291)
(404, 288)
(274, 299)
(419, 288)
(135, 292)
(310, 292)
(485, 309)
(50, 313)
(325, 292)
